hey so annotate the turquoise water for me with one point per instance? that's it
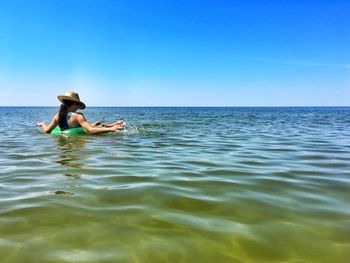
(179, 185)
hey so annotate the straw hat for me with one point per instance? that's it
(72, 96)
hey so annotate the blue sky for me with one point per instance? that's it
(175, 53)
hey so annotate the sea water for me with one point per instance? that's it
(179, 185)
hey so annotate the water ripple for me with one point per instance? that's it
(256, 185)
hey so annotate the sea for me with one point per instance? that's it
(180, 184)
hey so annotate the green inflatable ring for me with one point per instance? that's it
(69, 132)
(75, 131)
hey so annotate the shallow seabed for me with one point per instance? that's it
(180, 185)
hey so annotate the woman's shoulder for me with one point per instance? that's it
(77, 115)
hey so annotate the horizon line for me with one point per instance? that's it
(281, 106)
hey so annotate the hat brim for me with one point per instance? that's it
(63, 97)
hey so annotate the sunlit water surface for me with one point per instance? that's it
(179, 185)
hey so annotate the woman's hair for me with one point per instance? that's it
(62, 115)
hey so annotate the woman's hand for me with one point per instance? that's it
(121, 123)
(118, 126)
(96, 123)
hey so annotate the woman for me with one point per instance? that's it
(68, 118)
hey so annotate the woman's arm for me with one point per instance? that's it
(92, 129)
(119, 122)
(51, 126)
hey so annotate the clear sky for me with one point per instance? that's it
(175, 53)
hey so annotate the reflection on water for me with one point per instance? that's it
(180, 185)
(69, 149)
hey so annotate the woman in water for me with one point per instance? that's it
(68, 118)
